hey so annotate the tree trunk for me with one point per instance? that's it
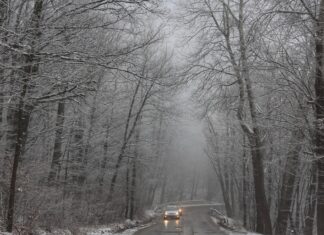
(77, 156)
(164, 182)
(241, 71)
(225, 194)
(244, 185)
(3, 18)
(57, 154)
(193, 184)
(262, 209)
(127, 201)
(232, 195)
(133, 190)
(134, 175)
(24, 109)
(4, 160)
(106, 145)
(128, 133)
(22, 119)
(319, 109)
(157, 170)
(152, 195)
(86, 147)
(310, 206)
(222, 177)
(224, 188)
(263, 214)
(288, 182)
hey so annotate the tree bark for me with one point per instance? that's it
(22, 119)
(3, 18)
(310, 206)
(193, 184)
(57, 154)
(263, 214)
(128, 133)
(319, 110)
(24, 109)
(134, 175)
(241, 71)
(86, 147)
(244, 185)
(127, 201)
(163, 189)
(3, 11)
(288, 182)
(107, 140)
(222, 175)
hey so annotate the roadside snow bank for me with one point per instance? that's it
(231, 227)
(117, 229)
(128, 227)
(149, 214)
(108, 231)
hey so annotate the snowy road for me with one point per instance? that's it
(195, 221)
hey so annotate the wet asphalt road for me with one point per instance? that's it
(194, 221)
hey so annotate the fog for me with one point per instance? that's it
(110, 110)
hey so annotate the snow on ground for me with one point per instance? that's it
(128, 227)
(149, 214)
(109, 230)
(240, 231)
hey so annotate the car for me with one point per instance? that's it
(171, 212)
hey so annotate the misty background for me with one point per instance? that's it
(110, 110)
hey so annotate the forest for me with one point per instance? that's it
(94, 95)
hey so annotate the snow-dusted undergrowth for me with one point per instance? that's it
(108, 231)
(238, 229)
(111, 230)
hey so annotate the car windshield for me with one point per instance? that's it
(171, 208)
